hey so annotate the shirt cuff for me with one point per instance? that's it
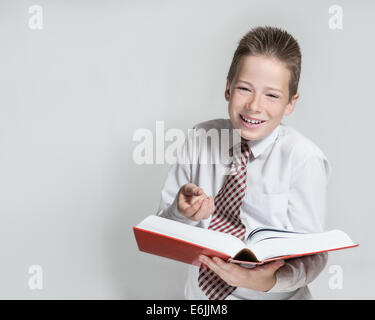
(173, 213)
(283, 280)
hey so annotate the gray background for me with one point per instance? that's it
(73, 94)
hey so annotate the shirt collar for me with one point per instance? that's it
(257, 147)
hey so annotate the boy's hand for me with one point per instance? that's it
(193, 203)
(260, 278)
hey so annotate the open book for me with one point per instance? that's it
(183, 242)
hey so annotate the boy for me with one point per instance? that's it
(281, 181)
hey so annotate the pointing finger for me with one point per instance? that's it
(203, 211)
(190, 210)
(191, 189)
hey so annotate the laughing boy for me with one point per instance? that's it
(281, 183)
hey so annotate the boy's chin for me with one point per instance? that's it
(252, 137)
(253, 134)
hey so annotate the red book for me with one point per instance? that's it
(183, 242)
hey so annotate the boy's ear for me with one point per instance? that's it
(291, 104)
(227, 91)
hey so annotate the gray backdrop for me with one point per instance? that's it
(73, 93)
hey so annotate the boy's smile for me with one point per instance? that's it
(250, 122)
(259, 96)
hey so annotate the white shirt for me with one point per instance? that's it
(287, 177)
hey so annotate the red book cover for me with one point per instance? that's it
(172, 248)
(188, 252)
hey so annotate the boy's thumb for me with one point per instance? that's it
(276, 265)
(190, 189)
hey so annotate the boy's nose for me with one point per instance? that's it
(254, 104)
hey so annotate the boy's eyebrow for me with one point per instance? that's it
(281, 91)
(272, 88)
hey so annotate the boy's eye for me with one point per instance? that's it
(272, 96)
(243, 88)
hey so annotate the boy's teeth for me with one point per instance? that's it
(251, 121)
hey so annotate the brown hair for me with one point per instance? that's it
(273, 42)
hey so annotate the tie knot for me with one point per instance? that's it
(241, 155)
(244, 147)
(240, 148)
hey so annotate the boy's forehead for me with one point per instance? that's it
(265, 69)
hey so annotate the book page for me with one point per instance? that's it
(283, 244)
(259, 234)
(214, 240)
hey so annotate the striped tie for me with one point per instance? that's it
(226, 218)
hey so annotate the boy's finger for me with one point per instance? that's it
(190, 210)
(212, 205)
(185, 206)
(212, 265)
(208, 262)
(203, 212)
(274, 266)
(191, 189)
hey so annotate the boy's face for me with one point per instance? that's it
(259, 91)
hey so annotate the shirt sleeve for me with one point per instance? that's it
(306, 209)
(178, 175)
